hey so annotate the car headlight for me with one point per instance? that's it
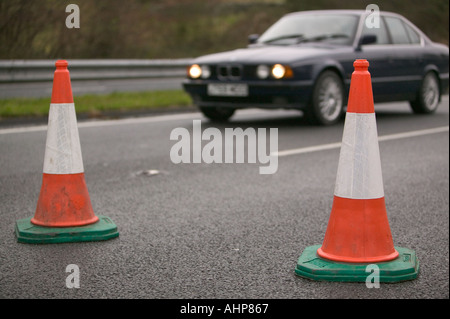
(206, 72)
(194, 71)
(281, 71)
(278, 71)
(262, 71)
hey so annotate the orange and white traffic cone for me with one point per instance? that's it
(64, 212)
(358, 231)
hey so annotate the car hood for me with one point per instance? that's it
(268, 54)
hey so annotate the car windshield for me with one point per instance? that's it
(301, 28)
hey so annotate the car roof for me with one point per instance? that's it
(360, 12)
(340, 11)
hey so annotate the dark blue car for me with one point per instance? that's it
(305, 61)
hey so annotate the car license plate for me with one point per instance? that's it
(228, 89)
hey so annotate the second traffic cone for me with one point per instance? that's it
(64, 212)
(358, 232)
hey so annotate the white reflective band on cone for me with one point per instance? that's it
(359, 171)
(63, 150)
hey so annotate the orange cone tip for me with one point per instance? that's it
(62, 88)
(359, 101)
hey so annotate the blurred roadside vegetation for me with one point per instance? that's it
(155, 29)
(96, 105)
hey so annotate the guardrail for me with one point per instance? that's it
(42, 70)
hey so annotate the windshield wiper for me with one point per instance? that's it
(301, 38)
(323, 37)
(289, 36)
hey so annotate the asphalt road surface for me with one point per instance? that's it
(214, 231)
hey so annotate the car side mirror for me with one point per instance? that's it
(252, 38)
(368, 39)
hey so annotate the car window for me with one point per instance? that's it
(380, 32)
(397, 30)
(292, 29)
(413, 36)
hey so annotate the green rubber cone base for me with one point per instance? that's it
(103, 229)
(310, 265)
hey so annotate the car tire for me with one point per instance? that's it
(217, 114)
(327, 101)
(428, 96)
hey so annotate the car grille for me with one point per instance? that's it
(229, 72)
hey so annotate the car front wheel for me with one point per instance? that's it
(327, 101)
(428, 96)
(217, 114)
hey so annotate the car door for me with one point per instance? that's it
(380, 55)
(408, 58)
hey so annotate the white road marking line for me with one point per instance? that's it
(323, 147)
(95, 123)
(125, 121)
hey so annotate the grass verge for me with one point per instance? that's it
(97, 104)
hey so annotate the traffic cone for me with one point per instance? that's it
(358, 232)
(64, 212)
